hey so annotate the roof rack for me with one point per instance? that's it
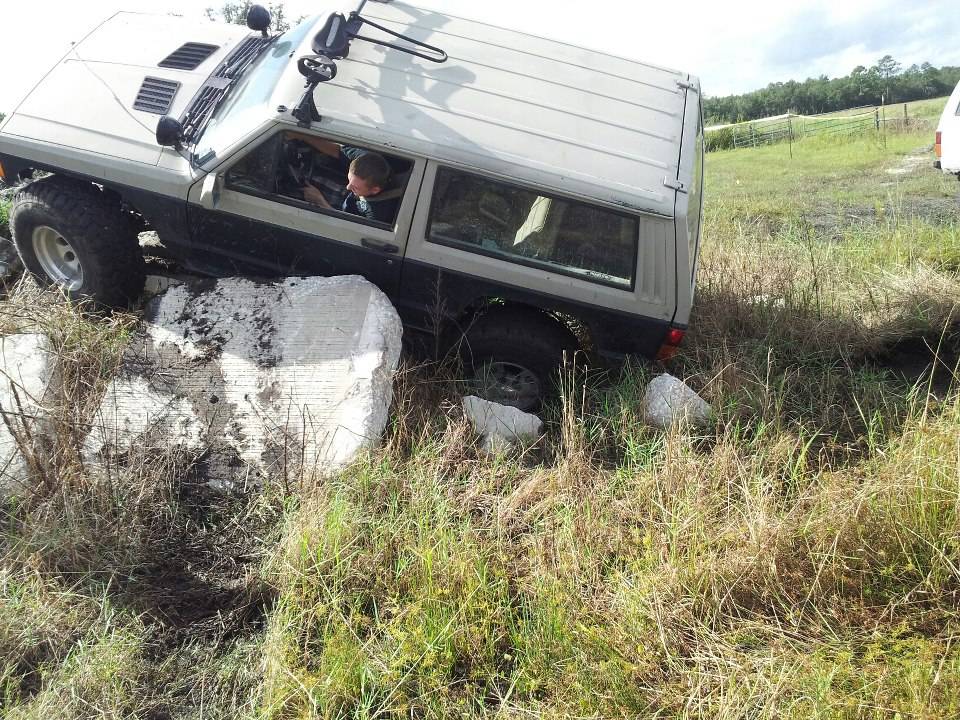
(332, 43)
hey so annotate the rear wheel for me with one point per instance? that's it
(71, 236)
(512, 357)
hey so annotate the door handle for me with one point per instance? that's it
(380, 245)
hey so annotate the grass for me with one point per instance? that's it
(4, 219)
(798, 559)
(929, 109)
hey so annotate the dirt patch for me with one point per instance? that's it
(931, 362)
(199, 579)
(830, 222)
(921, 157)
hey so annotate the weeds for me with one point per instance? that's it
(4, 219)
(798, 559)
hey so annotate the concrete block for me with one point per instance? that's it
(26, 373)
(278, 377)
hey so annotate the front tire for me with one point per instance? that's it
(69, 235)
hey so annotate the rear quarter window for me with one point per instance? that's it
(520, 225)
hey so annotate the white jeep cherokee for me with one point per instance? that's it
(536, 196)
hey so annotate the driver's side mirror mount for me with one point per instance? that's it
(169, 132)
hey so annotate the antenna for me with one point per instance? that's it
(332, 43)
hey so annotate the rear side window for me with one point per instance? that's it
(519, 225)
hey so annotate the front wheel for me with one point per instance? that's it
(513, 358)
(70, 236)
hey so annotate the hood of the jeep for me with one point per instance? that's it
(89, 101)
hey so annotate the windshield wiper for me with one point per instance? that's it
(217, 87)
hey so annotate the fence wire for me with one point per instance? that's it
(789, 127)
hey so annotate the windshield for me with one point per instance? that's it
(243, 108)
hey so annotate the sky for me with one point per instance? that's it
(733, 46)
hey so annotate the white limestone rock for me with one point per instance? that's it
(26, 373)
(288, 376)
(500, 426)
(669, 400)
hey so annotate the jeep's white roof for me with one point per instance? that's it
(556, 115)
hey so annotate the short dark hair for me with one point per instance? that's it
(373, 168)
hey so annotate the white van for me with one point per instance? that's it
(947, 147)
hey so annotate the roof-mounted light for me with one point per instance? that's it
(258, 19)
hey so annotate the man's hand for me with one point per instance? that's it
(313, 195)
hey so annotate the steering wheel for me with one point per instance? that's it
(299, 159)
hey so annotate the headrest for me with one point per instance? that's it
(398, 183)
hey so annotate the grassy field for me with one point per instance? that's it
(899, 118)
(800, 559)
(920, 109)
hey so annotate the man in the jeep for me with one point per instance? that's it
(368, 174)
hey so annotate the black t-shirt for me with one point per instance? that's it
(370, 208)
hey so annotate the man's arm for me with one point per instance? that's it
(312, 195)
(327, 147)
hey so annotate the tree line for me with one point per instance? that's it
(886, 82)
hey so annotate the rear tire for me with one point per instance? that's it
(71, 236)
(513, 356)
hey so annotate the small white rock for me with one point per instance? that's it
(669, 400)
(501, 426)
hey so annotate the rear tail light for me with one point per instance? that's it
(937, 148)
(3, 173)
(671, 344)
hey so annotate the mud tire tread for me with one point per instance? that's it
(113, 266)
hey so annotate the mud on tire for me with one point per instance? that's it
(70, 235)
(512, 356)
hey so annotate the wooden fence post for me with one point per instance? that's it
(790, 134)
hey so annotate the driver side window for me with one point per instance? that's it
(257, 170)
(324, 176)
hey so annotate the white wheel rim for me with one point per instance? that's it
(57, 258)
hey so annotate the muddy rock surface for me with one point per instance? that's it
(253, 379)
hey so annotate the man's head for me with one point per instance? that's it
(368, 175)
